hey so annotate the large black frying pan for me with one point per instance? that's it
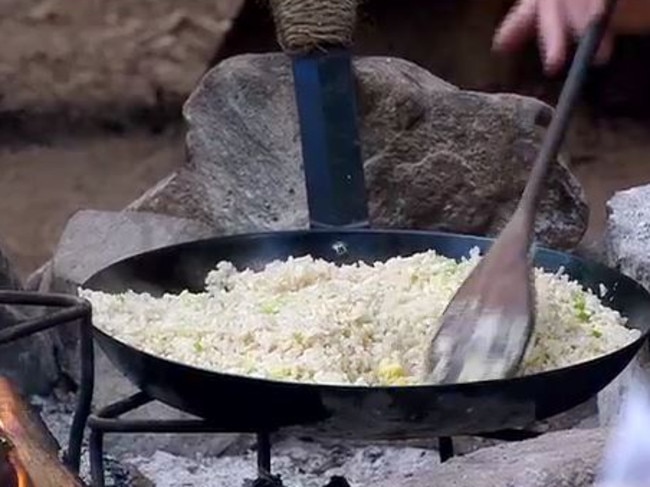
(336, 197)
(249, 404)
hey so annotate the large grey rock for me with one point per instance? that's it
(563, 459)
(627, 248)
(435, 157)
(92, 240)
(30, 362)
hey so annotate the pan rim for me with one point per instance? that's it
(382, 388)
(364, 389)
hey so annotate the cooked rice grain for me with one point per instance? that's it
(312, 321)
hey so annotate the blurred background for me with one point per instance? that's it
(91, 93)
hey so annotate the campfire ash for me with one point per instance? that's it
(299, 463)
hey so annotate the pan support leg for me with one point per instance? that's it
(85, 394)
(96, 454)
(108, 421)
(446, 444)
(263, 454)
(445, 448)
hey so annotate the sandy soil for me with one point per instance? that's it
(72, 75)
(609, 156)
(42, 186)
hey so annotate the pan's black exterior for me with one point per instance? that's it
(245, 404)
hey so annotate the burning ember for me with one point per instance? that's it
(12, 472)
(28, 454)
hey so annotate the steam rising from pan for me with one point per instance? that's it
(627, 457)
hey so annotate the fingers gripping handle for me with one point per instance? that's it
(307, 25)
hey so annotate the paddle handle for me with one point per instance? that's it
(304, 26)
(556, 132)
(317, 36)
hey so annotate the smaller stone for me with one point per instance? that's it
(34, 281)
(568, 458)
(30, 362)
(93, 240)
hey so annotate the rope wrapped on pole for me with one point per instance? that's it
(307, 25)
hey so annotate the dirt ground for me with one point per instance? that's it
(89, 105)
(89, 100)
(42, 186)
(623, 149)
(92, 53)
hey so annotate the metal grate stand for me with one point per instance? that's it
(71, 309)
(67, 310)
(107, 421)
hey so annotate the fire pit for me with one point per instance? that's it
(15, 472)
(109, 420)
(231, 403)
(27, 455)
(499, 409)
(71, 310)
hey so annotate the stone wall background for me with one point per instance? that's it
(91, 92)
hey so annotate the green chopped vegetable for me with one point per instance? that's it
(596, 333)
(298, 337)
(271, 307)
(580, 306)
(198, 347)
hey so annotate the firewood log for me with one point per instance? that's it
(28, 452)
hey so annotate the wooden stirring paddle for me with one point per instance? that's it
(486, 328)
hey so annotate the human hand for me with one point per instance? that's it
(555, 22)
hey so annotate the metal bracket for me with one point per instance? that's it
(331, 149)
